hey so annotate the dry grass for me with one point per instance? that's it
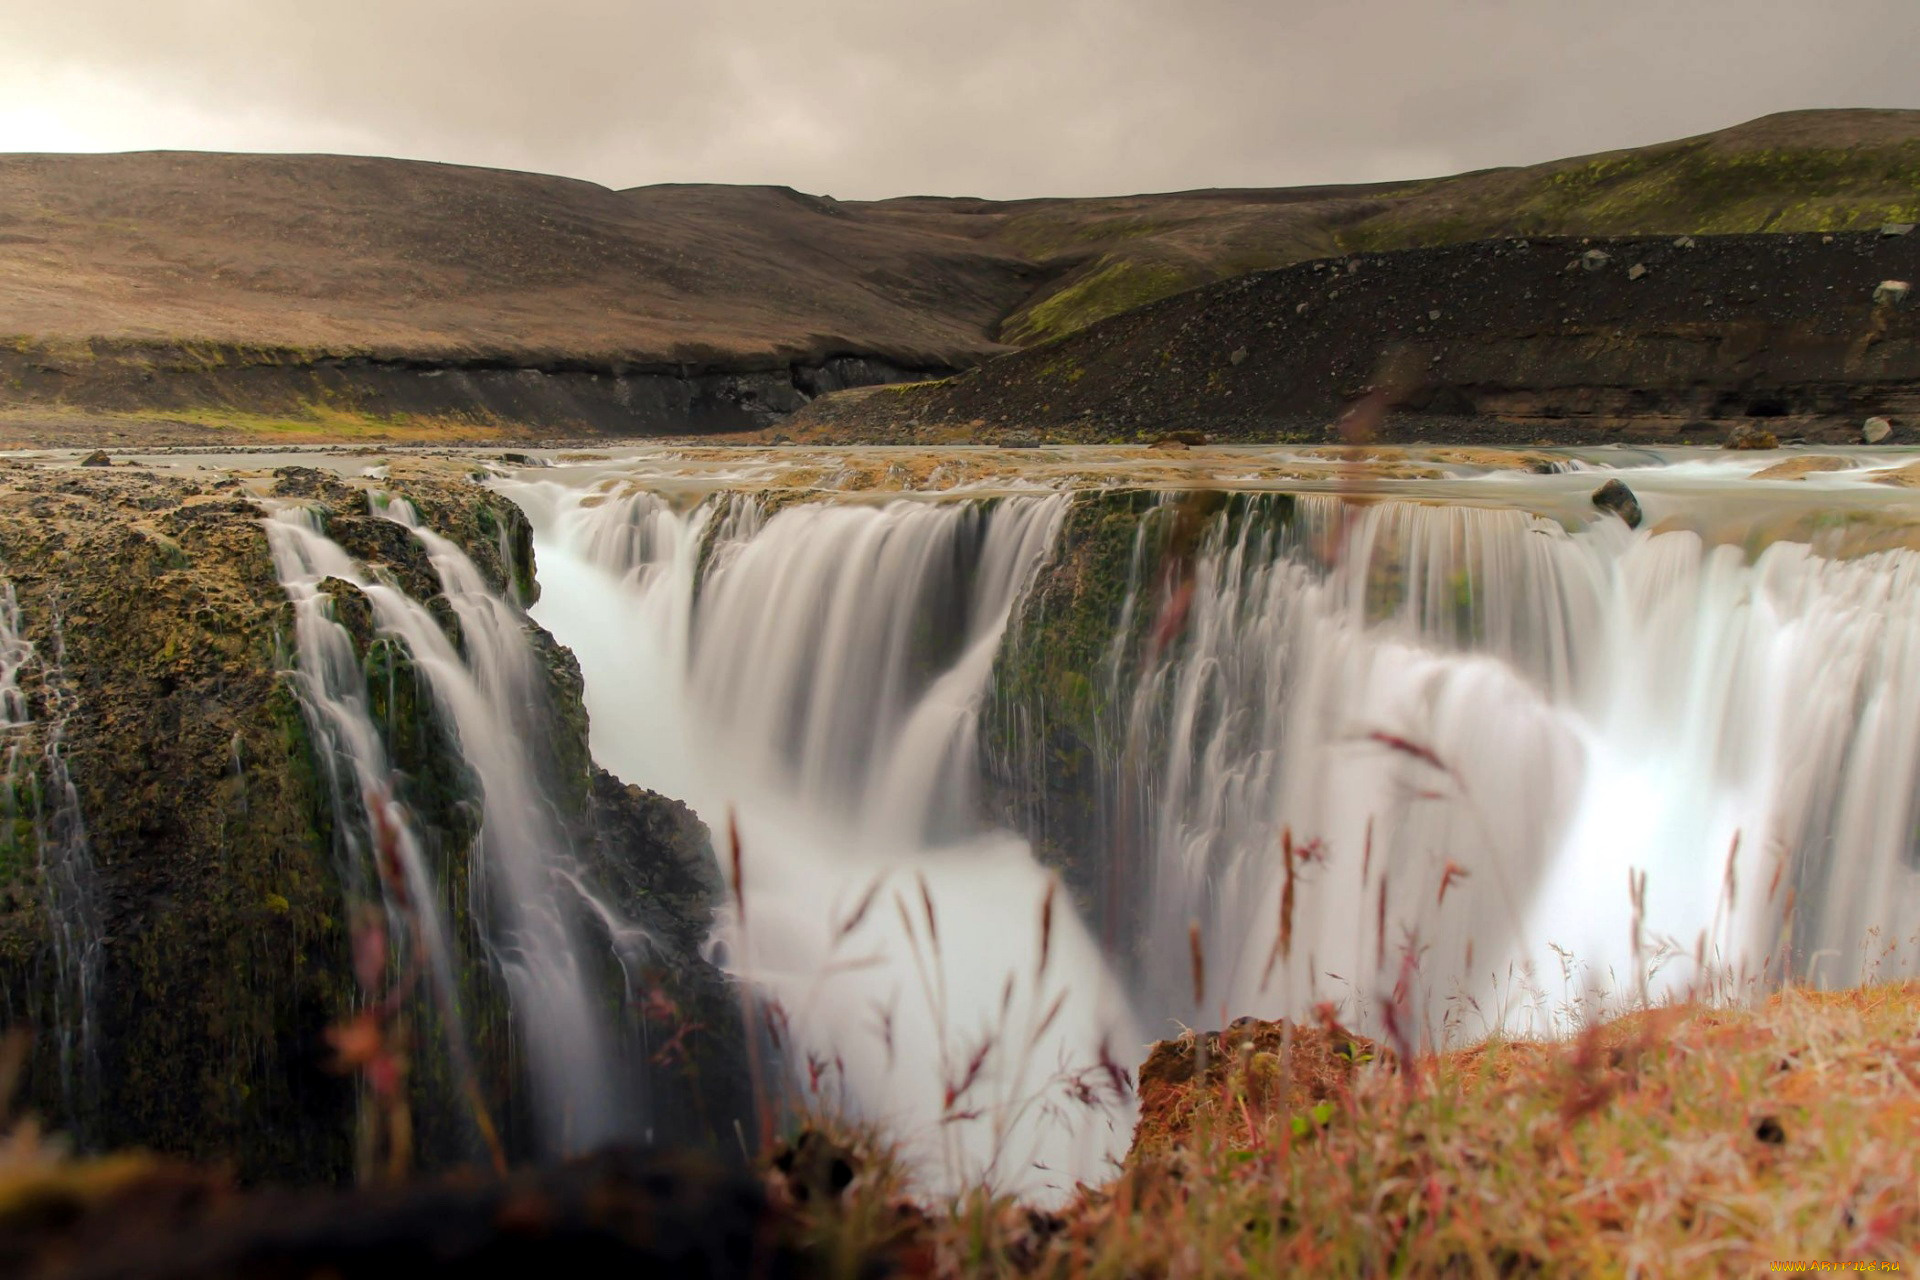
(67, 427)
(1689, 1140)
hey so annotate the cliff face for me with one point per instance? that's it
(181, 962)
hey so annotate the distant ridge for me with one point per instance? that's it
(175, 261)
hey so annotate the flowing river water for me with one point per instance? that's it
(1017, 761)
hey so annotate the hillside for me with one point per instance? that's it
(301, 286)
(1510, 341)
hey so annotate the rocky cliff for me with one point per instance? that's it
(175, 927)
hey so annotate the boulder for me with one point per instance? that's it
(1749, 436)
(1891, 293)
(1875, 430)
(1616, 497)
(1250, 1069)
(98, 458)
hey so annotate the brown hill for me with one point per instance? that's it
(347, 255)
(291, 284)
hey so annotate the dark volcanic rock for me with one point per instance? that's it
(1737, 328)
(1616, 497)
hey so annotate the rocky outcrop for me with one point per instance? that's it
(1268, 1068)
(158, 621)
(162, 638)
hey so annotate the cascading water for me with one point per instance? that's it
(1477, 724)
(38, 774)
(1452, 767)
(529, 898)
(812, 679)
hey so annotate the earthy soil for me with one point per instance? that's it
(1498, 342)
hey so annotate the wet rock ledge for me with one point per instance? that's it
(184, 1011)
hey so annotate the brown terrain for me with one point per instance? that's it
(194, 296)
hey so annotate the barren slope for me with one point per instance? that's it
(309, 287)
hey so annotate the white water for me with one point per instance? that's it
(818, 685)
(1598, 703)
(1485, 725)
(64, 853)
(528, 897)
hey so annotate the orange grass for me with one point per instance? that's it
(1687, 1140)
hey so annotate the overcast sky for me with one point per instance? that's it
(860, 98)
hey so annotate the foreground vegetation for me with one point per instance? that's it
(1689, 1140)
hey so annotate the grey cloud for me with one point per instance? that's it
(989, 97)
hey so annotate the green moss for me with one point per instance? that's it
(1066, 674)
(1049, 234)
(1695, 188)
(1112, 285)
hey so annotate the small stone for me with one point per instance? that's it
(1684, 242)
(1748, 436)
(1616, 497)
(1301, 310)
(1826, 239)
(1433, 315)
(1891, 293)
(1238, 357)
(1595, 259)
(1892, 229)
(1874, 430)
(1636, 271)
(98, 458)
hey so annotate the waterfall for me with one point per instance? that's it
(1451, 768)
(37, 772)
(811, 679)
(529, 898)
(1479, 725)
